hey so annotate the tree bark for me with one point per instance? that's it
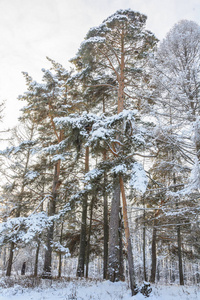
(113, 245)
(10, 259)
(180, 264)
(60, 253)
(88, 240)
(43, 181)
(153, 255)
(48, 254)
(81, 260)
(121, 257)
(144, 244)
(82, 250)
(106, 227)
(121, 96)
(36, 260)
(105, 214)
(23, 270)
(12, 244)
(128, 240)
(52, 209)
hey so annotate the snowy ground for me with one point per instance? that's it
(90, 290)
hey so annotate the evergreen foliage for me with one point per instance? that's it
(106, 160)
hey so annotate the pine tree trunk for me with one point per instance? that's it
(128, 240)
(153, 255)
(106, 228)
(12, 244)
(52, 209)
(60, 254)
(39, 244)
(4, 259)
(81, 260)
(121, 257)
(106, 237)
(105, 214)
(36, 260)
(180, 264)
(121, 96)
(10, 259)
(88, 240)
(48, 254)
(83, 238)
(144, 245)
(113, 245)
(59, 264)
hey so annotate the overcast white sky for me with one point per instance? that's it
(30, 30)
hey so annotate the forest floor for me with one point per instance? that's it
(38, 289)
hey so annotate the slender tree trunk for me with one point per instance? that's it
(60, 254)
(10, 259)
(180, 264)
(48, 254)
(144, 243)
(82, 250)
(113, 245)
(39, 243)
(106, 236)
(36, 260)
(4, 259)
(81, 260)
(153, 254)
(19, 206)
(105, 214)
(59, 264)
(12, 244)
(52, 210)
(128, 240)
(88, 240)
(121, 257)
(23, 269)
(106, 227)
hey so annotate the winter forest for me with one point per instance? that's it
(101, 178)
